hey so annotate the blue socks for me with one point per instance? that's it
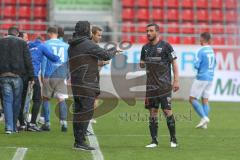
(63, 110)
(206, 109)
(198, 108)
(46, 111)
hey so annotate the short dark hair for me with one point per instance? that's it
(52, 30)
(13, 31)
(206, 36)
(155, 25)
(21, 34)
(60, 32)
(95, 29)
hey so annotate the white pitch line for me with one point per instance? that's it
(20, 153)
(97, 154)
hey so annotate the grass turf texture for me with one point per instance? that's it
(123, 133)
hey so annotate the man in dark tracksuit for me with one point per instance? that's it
(83, 61)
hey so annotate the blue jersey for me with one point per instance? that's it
(38, 50)
(205, 63)
(56, 69)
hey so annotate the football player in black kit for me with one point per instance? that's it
(159, 57)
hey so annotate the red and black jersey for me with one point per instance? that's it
(158, 59)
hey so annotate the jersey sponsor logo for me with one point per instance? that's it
(159, 50)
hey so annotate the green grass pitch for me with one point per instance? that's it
(123, 133)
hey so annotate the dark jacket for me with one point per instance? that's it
(15, 57)
(83, 61)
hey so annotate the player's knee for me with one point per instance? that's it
(191, 99)
(167, 112)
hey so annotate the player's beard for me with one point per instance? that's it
(151, 38)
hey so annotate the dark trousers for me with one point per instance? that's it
(37, 100)
(82, 113)
(24, 94)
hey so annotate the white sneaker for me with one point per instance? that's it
(94, 121)
(173, 145)
(203, 122)
(204, 126)
(41, 120)
(153, 145)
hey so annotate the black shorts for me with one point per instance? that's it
(154, 102)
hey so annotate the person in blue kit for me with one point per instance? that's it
(205, 64)
(54, 78)
(38, 51)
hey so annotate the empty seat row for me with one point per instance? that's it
(24, 2)
(37, 25)
(175, 15)
(185, 28)
(215, 4)
(24, 12)
(217, 40)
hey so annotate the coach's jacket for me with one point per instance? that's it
(15, 57)
(83, 62)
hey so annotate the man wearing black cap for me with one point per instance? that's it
(83, 62)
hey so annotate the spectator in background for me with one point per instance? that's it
(15, 62)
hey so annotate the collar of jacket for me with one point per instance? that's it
(77, 40)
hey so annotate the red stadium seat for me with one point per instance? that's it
(188, 28)
(7, 23)
(172, 15)
(9, 11)
(128, 38)
(9, 1)
(202, 27)
(141, 28)
(24, 24)
(172, 3)
(128, 27)
(231, 4)
(188, 40)
(231, 41)
(142, 39)
(142, 3)
(40, 12)
(128, 3)
(157, 15)
(173, 40)
(173, 27)
(24, 12)
(25, 2)
(39, 25)
(202, 15)
(217, 28)
(202, 4)
(217, 15)
(158, 3)
(187, 15)
(142, 14)
(40, 2)
(218, 40)
(231, 16)
(217, 4)
(127, 14)
(231, 29)
(187, 3)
